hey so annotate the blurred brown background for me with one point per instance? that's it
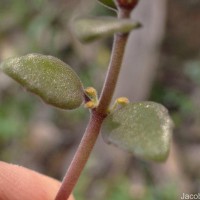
(162, 63)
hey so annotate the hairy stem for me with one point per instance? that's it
(97, 116)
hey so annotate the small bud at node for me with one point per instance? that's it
(90, 105)
(91, 93)
(122, 101)
(119, 102)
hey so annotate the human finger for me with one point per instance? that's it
(19, 183)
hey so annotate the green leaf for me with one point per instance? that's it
(144, 129)
(90, 29)
(48, 77)
(108, 3)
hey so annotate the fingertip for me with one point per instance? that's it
(19, 183)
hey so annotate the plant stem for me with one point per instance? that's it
(81, 156)
(96, 118)
(113, 72)
(114, 67)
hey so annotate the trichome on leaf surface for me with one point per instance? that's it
(143, 128)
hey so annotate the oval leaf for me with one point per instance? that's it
(50, 78)
(142, 128)
(108, 3)
(90, 29)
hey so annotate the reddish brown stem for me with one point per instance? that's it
(113, 73)
(97, 116)
(81, 157)
(114, 67)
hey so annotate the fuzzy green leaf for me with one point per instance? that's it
(108, 3)
(90, 29)
(144, 129)
(48, 77)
